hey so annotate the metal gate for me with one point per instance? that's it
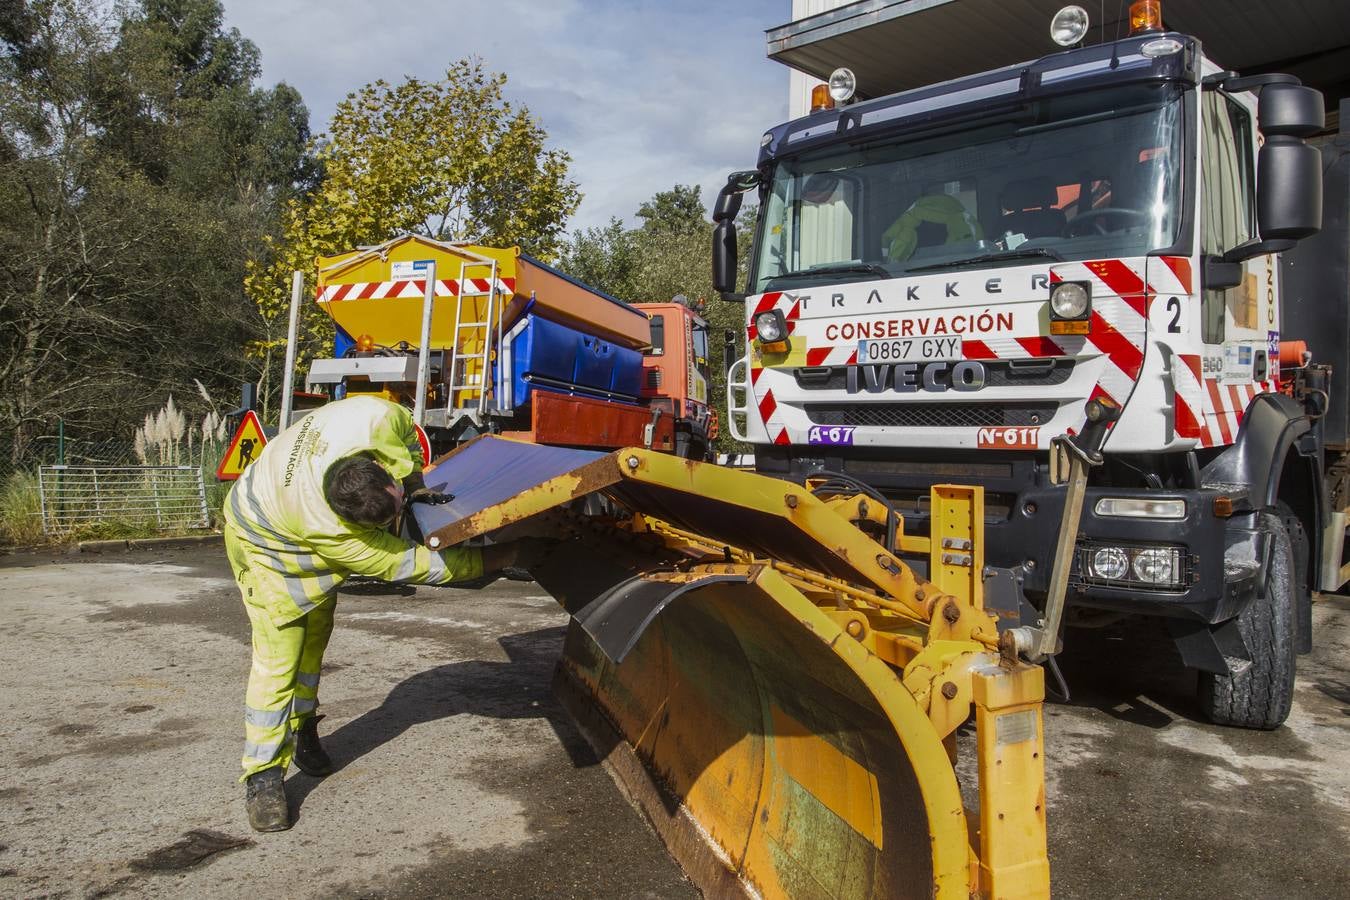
(162, 497)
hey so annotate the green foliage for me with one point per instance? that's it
(20, 509)
(140, 167)
(668, 254)
(450, 159)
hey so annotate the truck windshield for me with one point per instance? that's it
(1087, 176)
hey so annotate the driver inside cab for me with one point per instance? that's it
(933, 220)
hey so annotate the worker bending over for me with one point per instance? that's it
(313, 509)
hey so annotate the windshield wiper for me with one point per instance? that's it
(1028, 253)
(837, 269)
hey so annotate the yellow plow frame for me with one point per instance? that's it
(778, 690)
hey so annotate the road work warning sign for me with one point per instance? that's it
(244, 448)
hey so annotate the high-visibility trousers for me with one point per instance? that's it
(283, 683)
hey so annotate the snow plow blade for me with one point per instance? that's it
(778, 691)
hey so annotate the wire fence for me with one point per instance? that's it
(158, 497)
(169, 489)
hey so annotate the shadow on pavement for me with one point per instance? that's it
(1131, 671)
(517, 689)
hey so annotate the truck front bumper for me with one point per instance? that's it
(1218, 561)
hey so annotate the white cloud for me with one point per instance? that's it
(642, 94)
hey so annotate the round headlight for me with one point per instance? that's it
(770, 326)
(1111, 563)
(842, 85)
(1069, 300)
(1069, 26)
(1154, 566)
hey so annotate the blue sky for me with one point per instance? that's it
(642, 94)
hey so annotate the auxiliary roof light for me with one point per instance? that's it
(843, 83)
(820, 98)
(365, 343)
(1069, 26)
(1145, 16)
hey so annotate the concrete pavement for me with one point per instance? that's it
(461, 776)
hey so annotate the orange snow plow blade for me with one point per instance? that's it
(776, 689)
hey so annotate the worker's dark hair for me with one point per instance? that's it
(357, 490)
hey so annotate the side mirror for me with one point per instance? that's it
(724, 257)
(1288, 189)
(1290, 109)
(725, 209)
(1288, 171)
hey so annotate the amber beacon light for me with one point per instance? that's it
(820, 98)
(1146, 16)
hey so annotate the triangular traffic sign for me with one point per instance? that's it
(244, 448)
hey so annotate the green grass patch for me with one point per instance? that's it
(20, 509)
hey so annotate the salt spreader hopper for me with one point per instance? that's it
(499, 327)
(770, 678)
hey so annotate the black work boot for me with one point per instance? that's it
(265, 799)
(310, 756)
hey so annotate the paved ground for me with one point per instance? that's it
(123, 676)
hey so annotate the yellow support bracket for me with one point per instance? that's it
(1011, 739)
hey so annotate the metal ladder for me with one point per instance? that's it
(468, 387)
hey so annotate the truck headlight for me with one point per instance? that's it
(1156, 565)
(1110, 563)
(1070, 300)
(771, 326)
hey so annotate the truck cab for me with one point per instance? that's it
(676, 375)
(941, 278)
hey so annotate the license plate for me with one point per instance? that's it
(916, 349)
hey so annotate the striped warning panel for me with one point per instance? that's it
(377, 290)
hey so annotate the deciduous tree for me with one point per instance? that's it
(451, 159)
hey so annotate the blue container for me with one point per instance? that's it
(544, 354)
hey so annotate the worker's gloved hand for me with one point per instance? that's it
(429, 496)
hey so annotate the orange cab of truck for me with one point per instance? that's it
(676, 377)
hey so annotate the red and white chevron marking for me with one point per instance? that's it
(378, 290)
(1190, 399)
(768, 406)
(1225, 406)
(1117, 325)
(1171, 276)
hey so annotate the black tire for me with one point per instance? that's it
(1261, 696)
(1298, 540)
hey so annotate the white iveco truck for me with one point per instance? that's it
(942, 277)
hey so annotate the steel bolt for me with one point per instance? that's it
(632, 462)
(949, 691)
(951, 613)
(854, 628)
(434, 542)
(790, 500)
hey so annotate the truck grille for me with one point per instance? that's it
(930, 415)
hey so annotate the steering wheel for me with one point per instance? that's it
(1095, 221)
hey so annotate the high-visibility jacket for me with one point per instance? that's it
(299, 549)
(902, 238)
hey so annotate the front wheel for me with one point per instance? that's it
(1262, 694)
